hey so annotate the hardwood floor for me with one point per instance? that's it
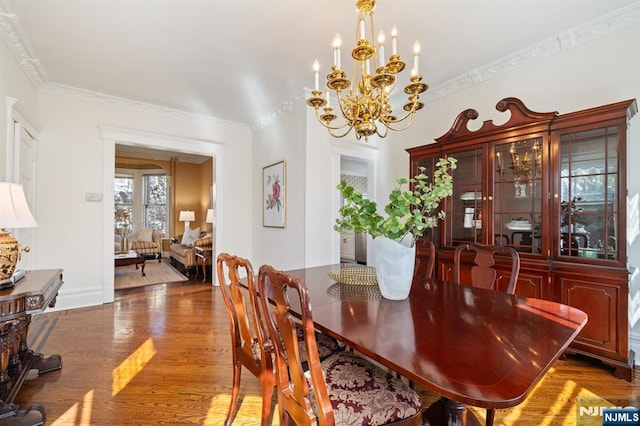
(159, 355)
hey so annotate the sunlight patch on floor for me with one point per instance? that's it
(70, 417)
(249, 408)
(562, 410)
(130, 367)
(562, 406)
(564, 403)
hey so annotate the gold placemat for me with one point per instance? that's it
(354, 275)
(354, 292)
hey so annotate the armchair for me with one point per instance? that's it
(147, 242)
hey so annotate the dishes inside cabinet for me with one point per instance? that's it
(471, 196)
(519, 225)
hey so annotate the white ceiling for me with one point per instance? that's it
(240, 60)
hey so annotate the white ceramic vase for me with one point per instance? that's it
(394, 262)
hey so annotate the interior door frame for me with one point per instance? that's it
(20, 122)
(360, 152)
(112, 136)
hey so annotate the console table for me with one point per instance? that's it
(32, 294)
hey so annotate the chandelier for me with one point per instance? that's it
(365, 105)
(526, 164)
(526, 167)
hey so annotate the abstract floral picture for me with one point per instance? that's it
(273, 195)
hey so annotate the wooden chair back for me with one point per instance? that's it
(293, 386)
(483, 272)
(425, 258)
(251, 348)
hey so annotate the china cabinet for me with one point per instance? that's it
(552, 186)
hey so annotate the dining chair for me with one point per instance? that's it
(250, 347)
(483, 274)
(425, 258)
(341, 389)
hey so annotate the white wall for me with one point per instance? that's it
(284, 140)
(71, 162)
(313, 172)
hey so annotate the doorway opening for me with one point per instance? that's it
(356, 172)
(141, 140)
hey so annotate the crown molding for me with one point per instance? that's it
(597, 28)
(147, 108)
(13, 35)
(283, 109)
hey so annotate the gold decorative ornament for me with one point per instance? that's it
(365, 106)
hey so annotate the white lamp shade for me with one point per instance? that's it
(14, 210)
(209, 216)
(187, 216)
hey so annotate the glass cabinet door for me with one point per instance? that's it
(464, 220)
(589, 201)
(516, 205)
(428, 166)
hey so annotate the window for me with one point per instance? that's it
(155, 202)
(123, 202)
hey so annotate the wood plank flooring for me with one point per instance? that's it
(159, 355)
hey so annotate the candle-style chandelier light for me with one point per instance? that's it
(365, 106)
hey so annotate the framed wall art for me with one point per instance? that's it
(273, 195)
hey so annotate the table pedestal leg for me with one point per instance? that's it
(446, 412)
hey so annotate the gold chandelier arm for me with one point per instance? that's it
(388, 123)
(337, 136)
(330, 127)
(386, 131)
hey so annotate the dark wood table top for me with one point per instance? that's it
(32, 294)
(471, 345)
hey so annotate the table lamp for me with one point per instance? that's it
(14, 213)
(187, 217)
(209, 219)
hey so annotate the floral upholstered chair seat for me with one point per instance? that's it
(393, 399)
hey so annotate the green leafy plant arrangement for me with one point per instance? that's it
(409, 212)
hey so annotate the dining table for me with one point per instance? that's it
(472, 346)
